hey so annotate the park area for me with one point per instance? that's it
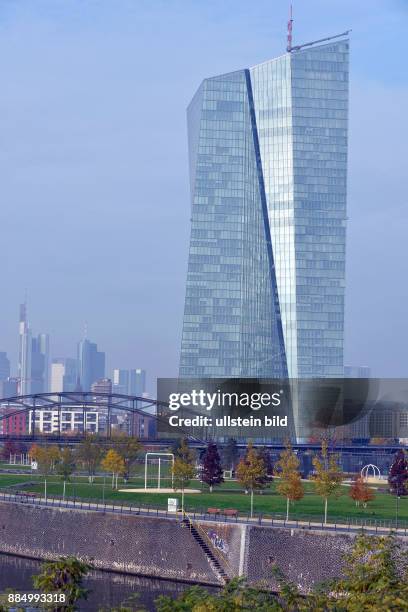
(229, 494)
(122, 471)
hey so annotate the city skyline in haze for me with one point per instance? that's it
(95, 207)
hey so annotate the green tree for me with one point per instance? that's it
(265, 454)
(290, 483)
(113, 462)
(128, 447)
(230, 454)
(131, 604)
(89, 453)
(65, 575)
(237, 595)
(372, 579)
(46, 458)
(251, 473)
(327, 477)
(183, 470)
(65, 465)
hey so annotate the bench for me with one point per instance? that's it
(25, 494)
(230, 512)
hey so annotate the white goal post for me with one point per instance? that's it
(159, 455)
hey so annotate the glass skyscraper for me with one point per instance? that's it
(268, 172)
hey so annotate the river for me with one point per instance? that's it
(107, 589)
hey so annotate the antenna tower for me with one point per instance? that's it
(290, 28)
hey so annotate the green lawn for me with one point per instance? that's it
(4, 465)
(229, 495)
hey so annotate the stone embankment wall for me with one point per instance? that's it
(132, 544)
(305, 557)
(160, 547)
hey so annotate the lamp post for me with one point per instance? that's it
(399, 483)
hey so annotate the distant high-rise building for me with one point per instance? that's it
(9, 387)
(40, 355)
(91, 364)
(24, 354)
(64, 372)
(4, 366)
(137, 382)
(129, 382)
(33, 360)
(103, 385)
(121, 381)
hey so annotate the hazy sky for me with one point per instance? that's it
(94, 195)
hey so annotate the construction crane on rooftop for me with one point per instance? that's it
(291, 48)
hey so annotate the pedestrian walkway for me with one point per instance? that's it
(264, 521)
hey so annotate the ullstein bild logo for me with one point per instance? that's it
(228, 421)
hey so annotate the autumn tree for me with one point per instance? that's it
(182, 450)
(179, 447)
(361, 492)
(290, 482)
(33, 451)
(128, 447)
(251, 473)
(398, 474)
(89, 453)
(212, 473)
(377, 441)
(183, 470)
(114, 463)
(46, 458)
(9, 448)
(327, 477)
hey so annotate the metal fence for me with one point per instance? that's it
(352, 525)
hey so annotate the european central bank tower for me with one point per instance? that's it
(268, 174)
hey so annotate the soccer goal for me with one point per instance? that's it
(159, 471)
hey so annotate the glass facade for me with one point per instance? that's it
(268, 170)
(231, 318)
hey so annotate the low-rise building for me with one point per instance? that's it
(14, 420)
(72, 420)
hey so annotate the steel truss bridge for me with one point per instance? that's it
(112, 404)
(107, 405)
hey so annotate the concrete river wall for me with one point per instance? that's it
(167, 548)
